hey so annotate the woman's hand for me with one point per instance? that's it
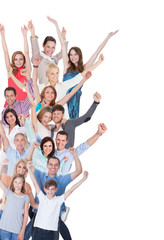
(24, 30)
(25, 73)
(101, 57)
(64, 33)
(21, 119)
(52, 20)
(2, 29)
(36, 61)
(85, 175)
(112, 33)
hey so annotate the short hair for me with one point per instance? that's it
(21, 135)
(10, 89)
(63, 133)
(14, 113)
(49, 38)
(42, 112)
(58, 107)
(53, 158)
(23, 190)
(47, 139)
(50, 183)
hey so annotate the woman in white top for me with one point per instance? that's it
(11, 129)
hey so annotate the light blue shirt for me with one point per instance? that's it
(13, 156)
(67, 165)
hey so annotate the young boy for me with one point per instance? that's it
(46, 221)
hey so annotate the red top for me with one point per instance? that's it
(21, 96)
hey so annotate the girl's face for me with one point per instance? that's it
(47, 148)
(53, 76)
(49, 94)
(49, 48)
(10, 118)
(18, 184)
(21, 168)
(19, 60)
(74, 57)
(47, 117)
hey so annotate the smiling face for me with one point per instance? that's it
(61, 141)
(47, 148)
(18, 184)
(50, 192)
(21, 168)
(57, 116)
(49, 94)
(53, 76)
(53, 166)
(49, 48)
(10, 119)
(47, 117)
(20, 142)
(74, 57)
(10, 97)
(19, 60)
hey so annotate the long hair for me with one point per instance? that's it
(72, 67)
(47, 139)
(14, 113)
(23, 190)
(42, 112)
(21, 160)
(15, 69)
(52, 103)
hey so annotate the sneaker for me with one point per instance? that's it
(65, 214)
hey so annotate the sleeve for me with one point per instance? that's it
(72, 82)
(35, 48)
(41, 196)
(61, 199)
(84, 118)
(82, 148)
(30, 133)
(59, 55)
(8, 192)
(25, 105)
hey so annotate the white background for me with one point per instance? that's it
(123, 197)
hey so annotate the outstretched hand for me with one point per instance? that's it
(2, 29)
(30, 26)
(21, 118)
(101, 57)
(36, 61)
(112, 33)
(72, 150)
(85, 175)
(24, 30)
(64, 33)
(51, 20)
(102, 128)
(87, 75)
(97, 97)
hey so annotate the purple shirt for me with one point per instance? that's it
(22, 106)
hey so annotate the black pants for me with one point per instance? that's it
(41, 234)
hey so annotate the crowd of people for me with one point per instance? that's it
(37, 134)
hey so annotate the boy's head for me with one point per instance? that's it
(50, 187)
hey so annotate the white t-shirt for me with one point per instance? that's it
(54, 137)
(47, 216)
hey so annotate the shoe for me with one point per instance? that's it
(65, 214)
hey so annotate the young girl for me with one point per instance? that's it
(18, 62)
(73, 65)
(13, 222)
(46, 56)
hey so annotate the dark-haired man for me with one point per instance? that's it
(70, 125)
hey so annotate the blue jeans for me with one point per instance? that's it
(41, 234)
(1, 211)
(5, 235)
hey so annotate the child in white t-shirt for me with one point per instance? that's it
(47, 217)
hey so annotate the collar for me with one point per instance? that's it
(46, 57)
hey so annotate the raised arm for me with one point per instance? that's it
(4, 46)
(30, 171)
(24, 30)
(75, 89)
(96, 53)
(78, 166)
(5, 140)
(94, 66)
(101, 130)
(2, 184)
(75, 186)
(35, 78)
(63, 45)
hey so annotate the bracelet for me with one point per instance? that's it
(35, 66)
(99, 133)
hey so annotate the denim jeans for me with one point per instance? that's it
(29, 228)
(5, 235)
(41, 234)
(1, 211)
